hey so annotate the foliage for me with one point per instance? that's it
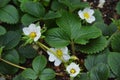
(93, 47)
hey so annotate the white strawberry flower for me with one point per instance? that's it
(32, 32)
(60, 53)
(73, 69)
(87, 14)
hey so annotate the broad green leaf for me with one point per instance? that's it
(92, 60)
(71, 30)
(74, 4)
(46, 2)
(82, 76)
(118, 7)
(9, 14)
(28, 19)
(27, 51)
(86, 33)
(69, 23)
(100, 72)
(39, 63)
(19, 77)
(29, 73)
(98, 16)
(114, 63)
(11, 56)
(55, 5)
(47, 74)
(52, 15)
(4, 3)
(72, 26)
(2, 30)
(94, 46)
(57, 38)
(115, 41)
(107, 30)
(34, 8)
(10, 39)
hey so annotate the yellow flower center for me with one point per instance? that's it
(59, 53)
(73, 71)
(32, 35)
(86, 15)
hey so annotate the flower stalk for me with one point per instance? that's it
(12, 64)
(45, 47)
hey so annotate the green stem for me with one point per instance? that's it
(43, 46)
(73, 47)
(15, 65)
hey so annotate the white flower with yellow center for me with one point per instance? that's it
(32, 31)
(87, 14)
(60, 53)
(73, 69)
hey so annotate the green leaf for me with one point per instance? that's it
(47, 74)
(19, 77)
(107, 30)
(34, 8)
(69, 23)
(86, 33)
(55, 5)
(92, 60)
(114, 63)
(98, 16)
(74, 4)
(11, 56)
(82, 76)
(11, 39)
(94, 46)
(100, 72)
(52, 15)
(115, 42)
(29, 73)
(2, 30)
(9, 14)
(28, 19)
(56, 37)
(118, 7)
(4, 3)
(71, 30)
(72, 26)
(39, 63)
(27, 51)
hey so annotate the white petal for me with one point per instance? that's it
(32, 27)
(26, 31)
(86, 9)
(91, 19)
(37, 37)
(80, 13)
(91, 11)
(66, 57)
(57, 62)
(64, 50)
(38, 28)
(52, 58)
